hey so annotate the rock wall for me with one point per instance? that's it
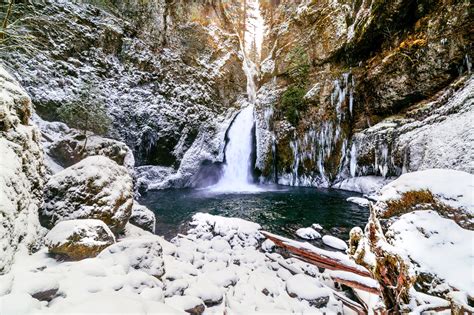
(22, 173)
(169, 73)
(334, 70)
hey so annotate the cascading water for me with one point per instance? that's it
(237, 170)
(237, 176)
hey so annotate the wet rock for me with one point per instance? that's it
(143, 217)
(79, 239)
(95, 188)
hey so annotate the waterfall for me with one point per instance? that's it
(238, 152)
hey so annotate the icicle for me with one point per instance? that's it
(353, 164)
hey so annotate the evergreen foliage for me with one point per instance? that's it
(87, 113)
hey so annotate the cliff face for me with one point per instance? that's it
(336, 69)
(338, 80)
(21, 173)
(169, 73)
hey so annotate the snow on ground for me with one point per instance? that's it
(334, 242)
(308, 233)
(218, 265)
(363, 202)
(365, 184)
(454, 188)
(437, 246)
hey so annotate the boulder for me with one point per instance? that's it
(306, 288)
(142, 253)
(95, 188)
(79, 239)
(143, 217)
(70, 150)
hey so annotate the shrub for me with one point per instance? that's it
(292, 103)
(298, 67)
(86, 113)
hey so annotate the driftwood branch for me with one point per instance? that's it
(356, 285)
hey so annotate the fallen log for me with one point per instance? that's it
(351, 280)
(319, 257)
(356, 307)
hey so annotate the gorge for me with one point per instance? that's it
(236, 157)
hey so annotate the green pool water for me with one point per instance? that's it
(281, 210)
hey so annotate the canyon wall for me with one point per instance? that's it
(347, 88)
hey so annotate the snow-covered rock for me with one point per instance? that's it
(40, 286)
(307, 288)
(22, 173)
(268, 245)
(316, 226)
(234, 230)
(161, 105)
(189, 304)
(143, 217)
(334, 242)
(95, 188)
(438, 247)
(79, 239)
(142, 253)
(363, 202)
(208, 292)
(365, 184)
(308, 233)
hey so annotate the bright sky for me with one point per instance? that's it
(255, 29)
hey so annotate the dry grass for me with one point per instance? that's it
(425, 200)
(410, 201)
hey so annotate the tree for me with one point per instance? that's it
(12, 35)
(86, 113)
